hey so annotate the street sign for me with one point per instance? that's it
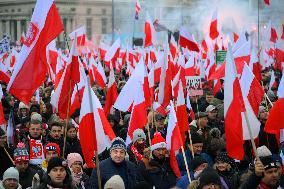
(220, 57)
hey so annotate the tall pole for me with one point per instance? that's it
(112, 20)
(258, 27)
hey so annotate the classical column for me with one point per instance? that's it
(8, 28)
(19, 32)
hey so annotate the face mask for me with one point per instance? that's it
(197, 173)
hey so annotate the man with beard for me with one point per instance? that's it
(21, 160)
(157, 171)
(136, 149)
(55, 136)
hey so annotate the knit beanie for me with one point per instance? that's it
(196, 161)
(268, 162)
(158, 141)
(115, 182)
(36, 119)
(263, 151)
(196, 138)
(21, 153)
(138, 134)
(11, 173)
(56, 162)
(208, 176)
(117, 143)
(223, 157)
(51, 147)
(73, 157)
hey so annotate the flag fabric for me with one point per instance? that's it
(95, 131)
(275, 120)
(186, 40)
(233, 108)
(113, 52)
(188, 105)
(213, 26)
(160, 109)
(267, 2)
(3, 74)
(255, 65)
(138, 118)
(173, 140)
(137, 9)
(282, 36)
(272, 82)
(252, 93)
(61, 98)
(99, 74)
(10, 131)
(80, 34)
(150, 35)
(31, 68)
(111, 92)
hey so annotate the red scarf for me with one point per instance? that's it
(136, 153)
(262, 186)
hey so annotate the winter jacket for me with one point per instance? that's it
(2, 187)
(83, 181)
(189, 157)
(126, 170)
(254, 181)
(268, 140)
(74, 145)
(205, 135)
(5, 160)
(229, 178)
(27, 177)
(157, 173)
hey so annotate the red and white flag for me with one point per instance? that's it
(113, 53)
(111, 92)
(213, 26)
(31, 68)
(267, 2)
(4, 73)
(233, 108)
(95, 131)
(272, 82)
(99, 74)
(173, 47)
(255, 65)
(149, 30)
(173, 140)
(252, 93)
(275, 120)
(61, 98)
(160, 109)
(80, 34)
(188, 105)
(138, 118)
(186, 40)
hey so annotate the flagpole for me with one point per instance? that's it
(96, 152)
(190, 142)
(258, 26)
(11, 159)
(251, 137)
(186, 165)
(67, 117)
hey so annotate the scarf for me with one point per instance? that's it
(50, 187)
(77, 177)
(36, 151)
(136, 153)
(262, 186)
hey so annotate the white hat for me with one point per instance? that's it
(138, 134)
(210, 108)
(115, 182)
(11, 173)
(263, 151)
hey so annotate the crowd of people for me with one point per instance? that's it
(39, 155)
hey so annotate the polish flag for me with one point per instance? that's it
(252, 93)
(275, 120)
(99, 74)
(113, 53)
(138, 118)
(181, 112)
(213, 26)
(95, 131)
(102, 50)
(2, 118)
(173, 47)
(188, 105)
(52, 55)
(173, 140)
(61, 98)
(233, 108)
(211, 66)
(127, 94)
(217, 86)
(190, 67)
(31, 68)
(80, 34)
(279, 56)
(4, 74)
(175, 84)
(150, 35)
(255, 65)
(186, 40)
(111, 92)
(160, 109)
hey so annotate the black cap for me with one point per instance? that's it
(199, 115)
(196, 138)
(56, 162)
(208, 176)
(196, 161)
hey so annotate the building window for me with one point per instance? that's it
(4, 31)
(104, 25)
(19, 10)
(73, 9)
(89, 28)
(89, 11)
(23, 25)
(13, 10)
(103, 11)
(65, 22)
(6, 10)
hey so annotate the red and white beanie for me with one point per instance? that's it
(158, 141)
